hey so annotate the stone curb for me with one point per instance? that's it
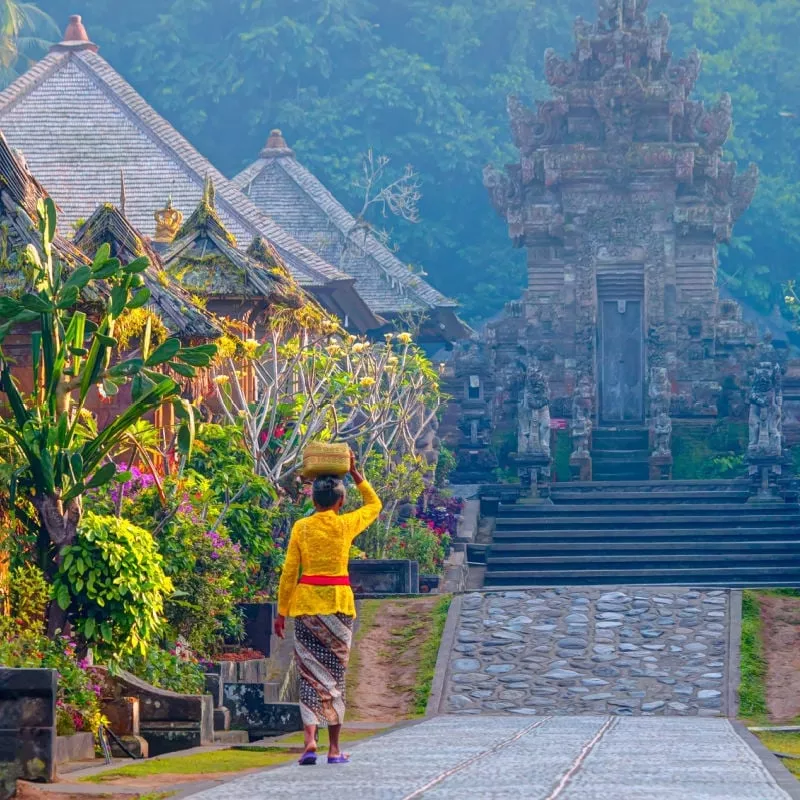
(443, 658)
(771, 763)
(734, 653)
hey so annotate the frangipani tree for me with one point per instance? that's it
(377, 397)
(60, 453)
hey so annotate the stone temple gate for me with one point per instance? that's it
(621, 197)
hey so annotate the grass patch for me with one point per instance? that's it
(154, 796)
(367, 613)
(429, 654)
(199, 764)
(296, 739)
(752, 690)
(785, 743)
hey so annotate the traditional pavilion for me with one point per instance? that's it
(298, 201)
(79, 124)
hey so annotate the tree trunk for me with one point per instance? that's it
(60, 528)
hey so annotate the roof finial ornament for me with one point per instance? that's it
(75, 37)
(209, 193)
(168, 223)
(122, 196)
(276, 146)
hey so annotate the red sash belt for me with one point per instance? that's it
(325, 580)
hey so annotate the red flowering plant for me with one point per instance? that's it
(440, 509)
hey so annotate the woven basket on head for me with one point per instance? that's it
(325, 459)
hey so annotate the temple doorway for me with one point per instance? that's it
(621, 360)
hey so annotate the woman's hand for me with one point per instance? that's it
(280, 626)
(354, 473)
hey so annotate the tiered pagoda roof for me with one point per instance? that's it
(79, 123)
(205, 259)
(295, 198)
(180, 314)
(621, 110)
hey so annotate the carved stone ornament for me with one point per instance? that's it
(534, 414)
(766, 411)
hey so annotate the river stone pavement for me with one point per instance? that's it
(625, 652)
(545, 758)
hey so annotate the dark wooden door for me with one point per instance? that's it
(621, 362)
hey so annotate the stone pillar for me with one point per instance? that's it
(27, 727)
(765, 450)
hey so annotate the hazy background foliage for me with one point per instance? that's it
(424, 82)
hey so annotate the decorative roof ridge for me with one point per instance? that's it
(326, 201)
(205, 219)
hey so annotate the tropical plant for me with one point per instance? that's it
(421, 542)
(379, 398)
(59, 452)
(23, 644)
(24, 33)
(112, 577)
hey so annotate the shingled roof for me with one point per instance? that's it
(108, 225)
(78, 123)
(20, 194)
(295, 198)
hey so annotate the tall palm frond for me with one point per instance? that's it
(25, 34)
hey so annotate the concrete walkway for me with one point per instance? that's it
(535, 758)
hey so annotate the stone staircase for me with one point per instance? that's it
(699, 533)
(620, 454)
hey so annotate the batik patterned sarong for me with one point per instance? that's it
(322, 650)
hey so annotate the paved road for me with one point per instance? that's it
(535, 758)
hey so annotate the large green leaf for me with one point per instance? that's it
(35, 303)
(198, 356)
(137, 265)
(165, 352)
(9, 307)
(93, 452)
(141, 298)
(102, 476)
(78, 279)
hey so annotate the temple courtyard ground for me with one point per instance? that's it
(545, 758)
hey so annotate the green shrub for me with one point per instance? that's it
(167, 670)
(419, 541)
(113, 580)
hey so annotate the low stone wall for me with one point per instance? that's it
(168, 721)
(253, 710)
(78, 747)
(27, 727)
(384, 577)
(577, 651)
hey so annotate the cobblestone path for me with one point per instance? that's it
(543, 758)
(629, 651)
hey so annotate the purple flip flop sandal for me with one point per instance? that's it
(308, 759)
(340, 759)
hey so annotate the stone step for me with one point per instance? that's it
(571, 547)
(617, 454)
(568, 497)
(621, 472)
(568, 536)
(621, 561)
(785, 576)
(655, 507)
(641, 521)
(231, 737)
(648, 487)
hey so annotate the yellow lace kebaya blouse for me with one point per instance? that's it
(320, 544)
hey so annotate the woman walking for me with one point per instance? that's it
(322, 603)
